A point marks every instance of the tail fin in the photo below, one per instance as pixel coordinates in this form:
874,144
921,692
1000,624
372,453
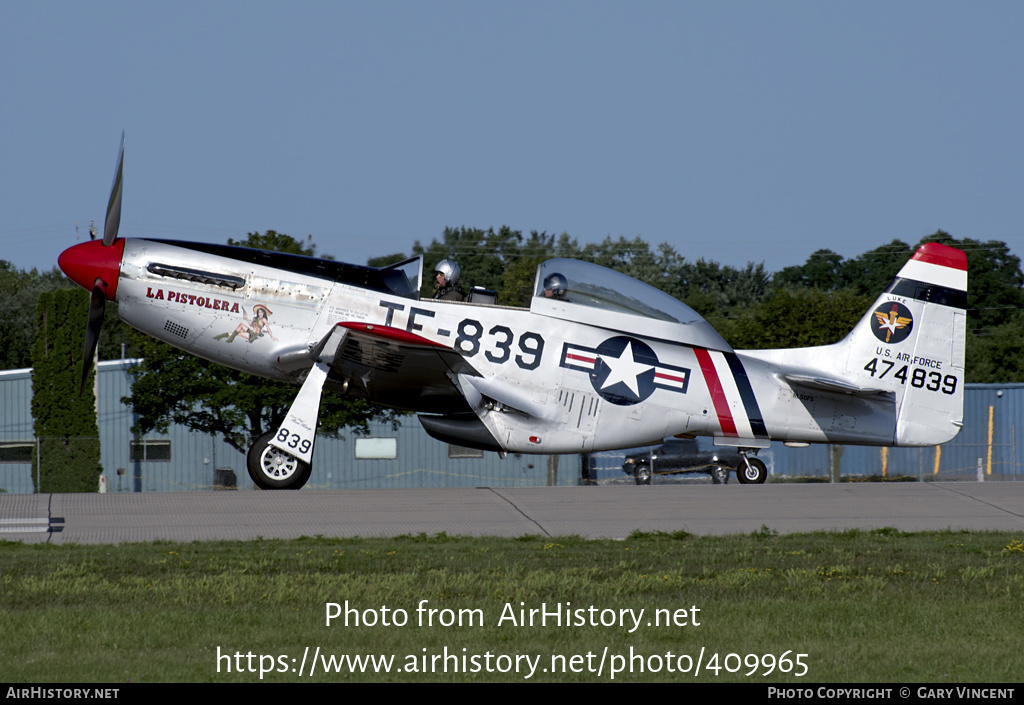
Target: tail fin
911,343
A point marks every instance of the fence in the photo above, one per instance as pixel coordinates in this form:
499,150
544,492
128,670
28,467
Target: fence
960,459
54,464
186,461
986,448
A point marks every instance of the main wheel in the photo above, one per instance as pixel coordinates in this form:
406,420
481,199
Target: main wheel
643,474
755,474
719,475
273,469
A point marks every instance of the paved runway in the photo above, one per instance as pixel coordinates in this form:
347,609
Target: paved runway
598,512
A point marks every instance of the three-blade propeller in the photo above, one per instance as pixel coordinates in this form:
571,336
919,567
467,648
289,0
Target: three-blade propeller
98,298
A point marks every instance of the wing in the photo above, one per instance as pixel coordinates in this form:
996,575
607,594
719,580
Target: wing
396,368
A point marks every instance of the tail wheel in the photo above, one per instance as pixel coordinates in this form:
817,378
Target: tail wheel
643,474
273,469
719,475
752,472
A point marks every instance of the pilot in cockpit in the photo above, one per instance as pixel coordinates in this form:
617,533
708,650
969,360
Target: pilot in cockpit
447,271
556,286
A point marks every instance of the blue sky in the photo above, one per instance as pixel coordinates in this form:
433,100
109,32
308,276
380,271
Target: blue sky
735,131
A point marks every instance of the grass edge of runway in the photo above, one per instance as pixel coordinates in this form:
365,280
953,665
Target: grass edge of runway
865,606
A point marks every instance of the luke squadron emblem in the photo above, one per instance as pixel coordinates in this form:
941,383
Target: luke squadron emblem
894,322
624,370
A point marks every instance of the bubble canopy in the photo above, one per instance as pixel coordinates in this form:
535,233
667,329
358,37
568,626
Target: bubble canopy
596,295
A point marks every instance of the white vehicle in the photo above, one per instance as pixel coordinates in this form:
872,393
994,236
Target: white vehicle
599,361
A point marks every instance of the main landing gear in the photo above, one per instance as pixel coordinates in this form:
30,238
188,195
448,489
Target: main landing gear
272,469
283,458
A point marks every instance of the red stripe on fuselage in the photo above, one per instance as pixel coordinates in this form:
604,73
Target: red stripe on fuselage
707,368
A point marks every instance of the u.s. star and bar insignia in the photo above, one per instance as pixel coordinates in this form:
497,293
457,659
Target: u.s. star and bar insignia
624,370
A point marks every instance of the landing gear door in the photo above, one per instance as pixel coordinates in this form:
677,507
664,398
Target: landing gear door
297,434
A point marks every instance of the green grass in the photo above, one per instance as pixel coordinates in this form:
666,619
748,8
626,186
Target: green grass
864,606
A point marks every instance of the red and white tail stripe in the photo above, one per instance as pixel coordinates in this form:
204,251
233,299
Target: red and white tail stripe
937,264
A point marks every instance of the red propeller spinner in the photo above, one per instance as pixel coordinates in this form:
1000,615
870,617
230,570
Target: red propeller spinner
89,263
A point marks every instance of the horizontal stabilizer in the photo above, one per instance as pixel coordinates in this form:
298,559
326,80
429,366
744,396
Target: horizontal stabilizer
834,385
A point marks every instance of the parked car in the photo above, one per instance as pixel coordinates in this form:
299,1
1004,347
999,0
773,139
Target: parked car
683,455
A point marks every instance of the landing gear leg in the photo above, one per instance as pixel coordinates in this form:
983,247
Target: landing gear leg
283,458
751,471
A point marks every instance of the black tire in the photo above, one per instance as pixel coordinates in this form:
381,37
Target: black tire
756,474
719,475
643,474
272,469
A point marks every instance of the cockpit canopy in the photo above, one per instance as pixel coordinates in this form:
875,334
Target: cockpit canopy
589,293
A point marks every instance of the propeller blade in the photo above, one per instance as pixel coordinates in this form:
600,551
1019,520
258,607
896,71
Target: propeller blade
113,221
97,302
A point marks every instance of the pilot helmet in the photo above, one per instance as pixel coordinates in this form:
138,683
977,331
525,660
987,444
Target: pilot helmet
450,270
556,284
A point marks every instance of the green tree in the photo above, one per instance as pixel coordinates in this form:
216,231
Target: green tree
19,295
483,255
998,356
709,288
994,281
506,260
518,279
714,290
274,241
503,260
68,457
631,257
995,299
173,387
517,284
994,290
867,274
794,318
822,270
871,272
385,260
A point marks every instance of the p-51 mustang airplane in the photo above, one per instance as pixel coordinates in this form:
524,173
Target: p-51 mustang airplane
598,361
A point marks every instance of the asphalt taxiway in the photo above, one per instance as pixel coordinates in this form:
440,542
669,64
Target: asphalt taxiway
597,512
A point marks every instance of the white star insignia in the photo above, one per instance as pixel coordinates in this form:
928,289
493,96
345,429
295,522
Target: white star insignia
624,369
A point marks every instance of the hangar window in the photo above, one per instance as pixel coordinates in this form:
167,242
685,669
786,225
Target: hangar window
150,451
377,448
16,452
